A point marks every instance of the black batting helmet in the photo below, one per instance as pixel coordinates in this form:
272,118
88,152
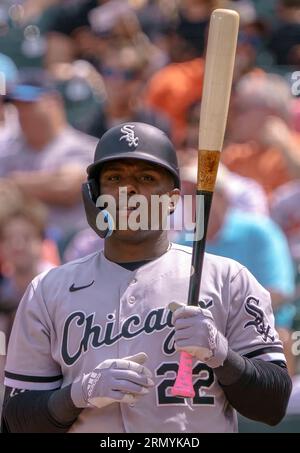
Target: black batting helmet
127,141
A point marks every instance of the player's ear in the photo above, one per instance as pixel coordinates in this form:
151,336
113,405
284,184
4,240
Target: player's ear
174,196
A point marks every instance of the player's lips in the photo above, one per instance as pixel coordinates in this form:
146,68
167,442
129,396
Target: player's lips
125,212
126,209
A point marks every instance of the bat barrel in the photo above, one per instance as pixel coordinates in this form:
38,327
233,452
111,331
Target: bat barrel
219,64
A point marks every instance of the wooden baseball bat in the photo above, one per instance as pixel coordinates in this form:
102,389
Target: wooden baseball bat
219,64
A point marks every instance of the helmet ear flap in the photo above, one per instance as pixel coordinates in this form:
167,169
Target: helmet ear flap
90,193
94,189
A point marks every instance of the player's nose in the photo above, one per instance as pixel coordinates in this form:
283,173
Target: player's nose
125,193
131,186
132,189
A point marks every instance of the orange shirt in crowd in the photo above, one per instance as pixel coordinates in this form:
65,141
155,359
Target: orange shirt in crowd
50,252
173,90
267,166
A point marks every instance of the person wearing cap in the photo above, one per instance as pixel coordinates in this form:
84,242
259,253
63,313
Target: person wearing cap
84,95
47,161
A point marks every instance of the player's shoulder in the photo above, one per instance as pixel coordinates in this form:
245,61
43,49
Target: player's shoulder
222,266
66,271
215,263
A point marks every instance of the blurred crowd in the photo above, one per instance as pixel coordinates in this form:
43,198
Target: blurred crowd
71,69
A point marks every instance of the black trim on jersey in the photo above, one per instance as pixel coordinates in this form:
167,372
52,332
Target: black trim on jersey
25,378
262,351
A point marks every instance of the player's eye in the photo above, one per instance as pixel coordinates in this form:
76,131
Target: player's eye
113,178
147,178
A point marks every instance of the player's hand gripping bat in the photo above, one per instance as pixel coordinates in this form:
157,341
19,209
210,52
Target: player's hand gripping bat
220,56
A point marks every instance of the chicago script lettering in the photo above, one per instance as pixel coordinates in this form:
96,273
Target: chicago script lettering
88,332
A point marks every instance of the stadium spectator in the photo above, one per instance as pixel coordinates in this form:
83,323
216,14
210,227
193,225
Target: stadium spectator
285,40
124,72
84,95
261,145
48,160
284,209
22,234
172,90
22,257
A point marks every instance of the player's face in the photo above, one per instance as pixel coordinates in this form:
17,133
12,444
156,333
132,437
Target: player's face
135,186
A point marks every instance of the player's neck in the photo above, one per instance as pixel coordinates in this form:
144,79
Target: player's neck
120,251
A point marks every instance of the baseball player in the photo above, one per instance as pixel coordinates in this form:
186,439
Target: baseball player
94,347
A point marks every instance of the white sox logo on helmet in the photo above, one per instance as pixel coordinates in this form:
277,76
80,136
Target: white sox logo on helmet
129,135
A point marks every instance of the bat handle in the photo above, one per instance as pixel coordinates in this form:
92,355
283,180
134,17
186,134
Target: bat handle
184,385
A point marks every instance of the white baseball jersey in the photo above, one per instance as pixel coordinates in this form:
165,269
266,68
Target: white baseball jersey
75,316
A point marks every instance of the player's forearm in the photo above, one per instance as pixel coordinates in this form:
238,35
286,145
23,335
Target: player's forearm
39,411
232,370
257,389
61,406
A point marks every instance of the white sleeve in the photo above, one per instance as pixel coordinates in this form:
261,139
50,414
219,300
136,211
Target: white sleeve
30,364
250,324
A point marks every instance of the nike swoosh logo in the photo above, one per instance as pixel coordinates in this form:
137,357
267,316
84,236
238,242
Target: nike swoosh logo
74,288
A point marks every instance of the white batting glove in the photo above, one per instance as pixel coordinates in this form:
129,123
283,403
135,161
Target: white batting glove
196,333
114,380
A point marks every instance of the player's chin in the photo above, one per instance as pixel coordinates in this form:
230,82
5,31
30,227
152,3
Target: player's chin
131,235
